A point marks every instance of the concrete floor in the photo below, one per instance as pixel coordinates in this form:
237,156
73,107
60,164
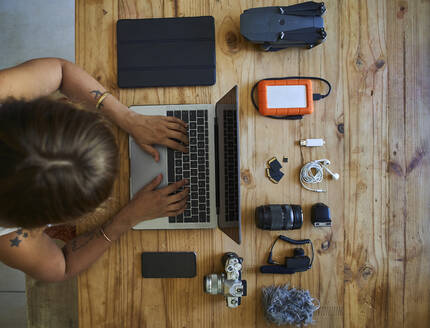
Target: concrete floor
13,308
32,29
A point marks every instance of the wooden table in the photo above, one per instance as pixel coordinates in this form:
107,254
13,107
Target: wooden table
372,268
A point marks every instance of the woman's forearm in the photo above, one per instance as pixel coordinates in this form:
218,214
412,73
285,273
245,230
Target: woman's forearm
82,88
85,249
43,76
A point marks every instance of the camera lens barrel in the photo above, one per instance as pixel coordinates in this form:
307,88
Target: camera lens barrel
298,216
279,217
213,284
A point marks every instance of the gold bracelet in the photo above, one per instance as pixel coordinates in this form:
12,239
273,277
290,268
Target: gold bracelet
102,97
104,235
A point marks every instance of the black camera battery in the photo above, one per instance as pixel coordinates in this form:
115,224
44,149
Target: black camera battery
320,215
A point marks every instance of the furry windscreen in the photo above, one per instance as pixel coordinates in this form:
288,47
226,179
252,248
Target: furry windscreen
288,306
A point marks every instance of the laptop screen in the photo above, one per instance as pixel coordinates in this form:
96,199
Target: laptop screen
228,165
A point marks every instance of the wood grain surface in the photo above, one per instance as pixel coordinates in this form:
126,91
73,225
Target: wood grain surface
372,267
52,305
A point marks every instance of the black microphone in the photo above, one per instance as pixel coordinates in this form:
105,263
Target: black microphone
276,269
298,263
293,241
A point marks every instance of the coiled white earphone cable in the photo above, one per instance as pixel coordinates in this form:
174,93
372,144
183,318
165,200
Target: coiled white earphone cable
308,176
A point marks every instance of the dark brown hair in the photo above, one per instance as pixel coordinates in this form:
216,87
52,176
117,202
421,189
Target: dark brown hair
57,162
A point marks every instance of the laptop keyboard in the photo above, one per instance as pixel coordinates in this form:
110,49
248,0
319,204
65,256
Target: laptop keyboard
193,166
230,164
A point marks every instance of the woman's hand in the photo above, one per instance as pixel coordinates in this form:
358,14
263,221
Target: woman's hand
157,130
150,203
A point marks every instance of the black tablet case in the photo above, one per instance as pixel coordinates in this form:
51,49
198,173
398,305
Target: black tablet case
161,52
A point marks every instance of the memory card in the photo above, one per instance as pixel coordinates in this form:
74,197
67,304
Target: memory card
270,178
274,164
276,174
273,175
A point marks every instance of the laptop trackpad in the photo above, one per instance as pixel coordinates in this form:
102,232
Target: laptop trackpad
143,167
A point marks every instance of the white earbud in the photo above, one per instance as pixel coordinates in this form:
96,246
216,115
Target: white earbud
335,176
313,172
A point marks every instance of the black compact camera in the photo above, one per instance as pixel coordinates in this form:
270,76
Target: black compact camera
279,217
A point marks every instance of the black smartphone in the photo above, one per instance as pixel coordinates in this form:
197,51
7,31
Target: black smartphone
168,264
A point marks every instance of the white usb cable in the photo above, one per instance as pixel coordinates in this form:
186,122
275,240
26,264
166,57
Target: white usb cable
308,176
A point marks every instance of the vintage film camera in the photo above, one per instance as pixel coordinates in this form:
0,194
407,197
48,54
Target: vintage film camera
230,283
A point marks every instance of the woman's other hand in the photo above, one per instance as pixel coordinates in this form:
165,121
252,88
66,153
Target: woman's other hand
150,202
157,130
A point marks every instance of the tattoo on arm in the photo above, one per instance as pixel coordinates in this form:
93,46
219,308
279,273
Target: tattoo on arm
97,94
83,240
20,232
16,241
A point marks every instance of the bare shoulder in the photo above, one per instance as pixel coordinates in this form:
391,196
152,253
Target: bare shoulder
20,244
33,252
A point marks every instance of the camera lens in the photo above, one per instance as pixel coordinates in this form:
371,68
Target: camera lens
298,216
214,283
279,217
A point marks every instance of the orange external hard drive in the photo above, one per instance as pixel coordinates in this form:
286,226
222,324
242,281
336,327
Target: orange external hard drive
287,97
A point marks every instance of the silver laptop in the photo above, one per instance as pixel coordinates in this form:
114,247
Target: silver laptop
211,166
